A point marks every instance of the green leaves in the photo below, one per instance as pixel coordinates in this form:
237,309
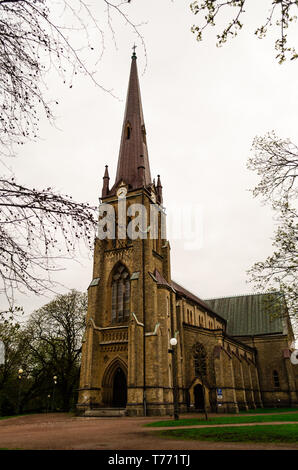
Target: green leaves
280,13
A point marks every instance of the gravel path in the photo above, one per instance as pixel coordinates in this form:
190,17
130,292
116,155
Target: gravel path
62,431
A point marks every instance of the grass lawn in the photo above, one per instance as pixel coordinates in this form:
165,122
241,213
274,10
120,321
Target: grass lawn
18,416
272,433
7,417
269,410
226,420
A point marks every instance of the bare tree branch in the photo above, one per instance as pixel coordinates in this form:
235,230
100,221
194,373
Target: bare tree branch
36,228
276,162
280,13
32,42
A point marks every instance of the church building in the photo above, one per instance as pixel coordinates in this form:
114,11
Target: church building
231,354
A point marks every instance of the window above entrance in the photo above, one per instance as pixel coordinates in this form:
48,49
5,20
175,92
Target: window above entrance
120,294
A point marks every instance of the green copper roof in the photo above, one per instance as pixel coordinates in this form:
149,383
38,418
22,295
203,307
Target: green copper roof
254,314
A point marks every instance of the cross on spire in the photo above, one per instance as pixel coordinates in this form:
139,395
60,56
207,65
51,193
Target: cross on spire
134,51
133,162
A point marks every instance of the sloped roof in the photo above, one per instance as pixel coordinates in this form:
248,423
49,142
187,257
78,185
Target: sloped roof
206,306
253,314
160,279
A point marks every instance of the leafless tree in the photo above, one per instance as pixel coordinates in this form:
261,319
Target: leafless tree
35,37
37,226
276,162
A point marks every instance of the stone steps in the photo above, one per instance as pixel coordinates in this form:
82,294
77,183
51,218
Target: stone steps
106,412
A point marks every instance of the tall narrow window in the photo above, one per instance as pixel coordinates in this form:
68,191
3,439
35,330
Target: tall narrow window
276,379
120,295
120,298
114,302
126,295
128,131
200,360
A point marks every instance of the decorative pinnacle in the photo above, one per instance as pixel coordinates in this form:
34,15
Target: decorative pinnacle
106,174
134,56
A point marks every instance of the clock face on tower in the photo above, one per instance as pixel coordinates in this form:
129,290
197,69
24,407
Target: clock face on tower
122,192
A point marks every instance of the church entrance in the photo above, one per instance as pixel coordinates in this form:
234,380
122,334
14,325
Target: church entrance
119,389
199,397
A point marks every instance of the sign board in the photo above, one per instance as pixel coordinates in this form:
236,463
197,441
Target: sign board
219,393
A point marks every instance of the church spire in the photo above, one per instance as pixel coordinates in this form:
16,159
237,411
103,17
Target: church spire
133,163
159,190
105,186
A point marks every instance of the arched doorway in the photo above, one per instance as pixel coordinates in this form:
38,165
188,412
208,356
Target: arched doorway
199,397
119,389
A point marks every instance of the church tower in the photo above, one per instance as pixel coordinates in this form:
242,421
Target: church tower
222,361
131,302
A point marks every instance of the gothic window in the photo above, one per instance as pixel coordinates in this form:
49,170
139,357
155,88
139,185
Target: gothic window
129,220
276,379
128,131
158,241
120,295
155,244
200,363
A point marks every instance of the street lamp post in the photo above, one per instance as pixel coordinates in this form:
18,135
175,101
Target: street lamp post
20,372
173,343
53,398
48,403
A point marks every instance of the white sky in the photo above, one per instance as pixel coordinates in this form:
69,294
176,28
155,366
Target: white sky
203,106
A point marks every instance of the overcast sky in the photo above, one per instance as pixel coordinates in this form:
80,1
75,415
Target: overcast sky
203,106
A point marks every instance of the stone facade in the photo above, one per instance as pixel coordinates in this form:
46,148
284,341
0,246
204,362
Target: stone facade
134,308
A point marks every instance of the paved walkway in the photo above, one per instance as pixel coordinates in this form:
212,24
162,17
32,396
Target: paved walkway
62,431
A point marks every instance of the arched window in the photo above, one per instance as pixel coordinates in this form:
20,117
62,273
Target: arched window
276,379
200,363
120,294
128,130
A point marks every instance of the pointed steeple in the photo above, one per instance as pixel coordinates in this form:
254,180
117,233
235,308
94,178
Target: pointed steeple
105,186
159,190
133,163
